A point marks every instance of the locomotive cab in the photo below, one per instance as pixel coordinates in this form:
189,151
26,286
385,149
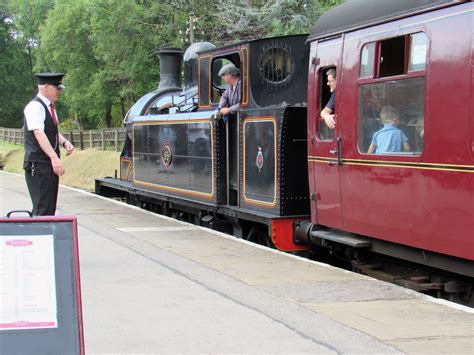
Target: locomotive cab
265,142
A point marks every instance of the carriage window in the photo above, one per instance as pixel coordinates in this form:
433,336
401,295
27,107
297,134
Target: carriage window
392,57
391,117
324,132
367,61
276,65
418,46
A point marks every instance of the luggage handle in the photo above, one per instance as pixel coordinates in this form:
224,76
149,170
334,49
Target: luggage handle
19,211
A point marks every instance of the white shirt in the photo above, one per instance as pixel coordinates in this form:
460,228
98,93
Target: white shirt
35,115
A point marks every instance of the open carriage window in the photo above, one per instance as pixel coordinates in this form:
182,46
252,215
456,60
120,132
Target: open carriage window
324,132
394,56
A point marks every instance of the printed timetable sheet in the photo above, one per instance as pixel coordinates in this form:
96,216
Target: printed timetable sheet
27,282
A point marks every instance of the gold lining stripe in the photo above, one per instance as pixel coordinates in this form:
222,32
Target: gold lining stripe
177,189
398,164
162,122
245,83
247,199
199,82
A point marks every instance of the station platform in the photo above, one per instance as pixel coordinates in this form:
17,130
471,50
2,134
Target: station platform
151,284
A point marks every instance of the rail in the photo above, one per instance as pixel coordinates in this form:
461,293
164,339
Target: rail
103,139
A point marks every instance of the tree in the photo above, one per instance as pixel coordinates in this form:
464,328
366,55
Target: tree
66,46
285,17
17,84
28,16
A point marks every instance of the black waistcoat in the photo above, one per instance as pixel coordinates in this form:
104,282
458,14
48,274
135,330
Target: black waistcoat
33,151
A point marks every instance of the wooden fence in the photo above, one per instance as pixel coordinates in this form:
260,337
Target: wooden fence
104,139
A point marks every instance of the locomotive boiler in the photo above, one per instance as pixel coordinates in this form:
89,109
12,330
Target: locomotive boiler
277,175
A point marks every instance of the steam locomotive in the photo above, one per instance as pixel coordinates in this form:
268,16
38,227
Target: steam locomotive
277,175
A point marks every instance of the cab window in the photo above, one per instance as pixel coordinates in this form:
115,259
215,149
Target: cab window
218,85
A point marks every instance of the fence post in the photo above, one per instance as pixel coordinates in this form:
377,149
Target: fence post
91,142
116,140
102,132
81,143
71,136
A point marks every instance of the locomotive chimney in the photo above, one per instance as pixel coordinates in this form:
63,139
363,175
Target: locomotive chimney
170,68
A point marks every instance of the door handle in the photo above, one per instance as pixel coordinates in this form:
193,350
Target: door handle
337,151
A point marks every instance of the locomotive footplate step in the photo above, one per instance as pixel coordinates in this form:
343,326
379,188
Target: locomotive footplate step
341,238
152,284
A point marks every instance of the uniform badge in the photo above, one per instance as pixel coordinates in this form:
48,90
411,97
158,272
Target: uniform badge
259,160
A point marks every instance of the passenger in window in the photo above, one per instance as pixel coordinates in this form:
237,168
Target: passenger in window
327,114
420,130
390,139
230,99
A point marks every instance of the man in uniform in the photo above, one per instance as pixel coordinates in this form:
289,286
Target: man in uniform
42,163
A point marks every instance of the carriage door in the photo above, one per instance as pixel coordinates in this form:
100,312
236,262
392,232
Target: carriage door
325,155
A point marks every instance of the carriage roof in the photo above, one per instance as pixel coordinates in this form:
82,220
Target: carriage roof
356,14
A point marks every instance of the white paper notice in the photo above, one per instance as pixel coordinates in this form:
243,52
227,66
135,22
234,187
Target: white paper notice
418,54
27,282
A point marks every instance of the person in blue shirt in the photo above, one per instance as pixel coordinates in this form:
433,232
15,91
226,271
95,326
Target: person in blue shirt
390,139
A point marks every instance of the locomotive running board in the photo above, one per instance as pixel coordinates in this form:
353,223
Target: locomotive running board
333,236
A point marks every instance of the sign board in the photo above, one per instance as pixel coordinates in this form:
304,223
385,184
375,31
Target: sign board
40,294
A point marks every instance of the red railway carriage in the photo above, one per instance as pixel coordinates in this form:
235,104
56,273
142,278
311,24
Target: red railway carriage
415,57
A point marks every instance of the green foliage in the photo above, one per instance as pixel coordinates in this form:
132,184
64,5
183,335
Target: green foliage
66,46
285,17
108,48
17,86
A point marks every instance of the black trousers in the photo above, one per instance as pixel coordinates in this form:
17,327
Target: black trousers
43,186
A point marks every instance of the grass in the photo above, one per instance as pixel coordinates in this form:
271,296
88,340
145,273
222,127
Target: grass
82,167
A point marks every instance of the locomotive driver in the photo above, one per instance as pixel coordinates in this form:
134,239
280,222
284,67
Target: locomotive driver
42,162
230,99
327,114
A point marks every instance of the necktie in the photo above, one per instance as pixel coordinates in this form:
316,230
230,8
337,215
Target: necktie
53,114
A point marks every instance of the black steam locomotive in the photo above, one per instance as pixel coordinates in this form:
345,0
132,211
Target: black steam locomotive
247,177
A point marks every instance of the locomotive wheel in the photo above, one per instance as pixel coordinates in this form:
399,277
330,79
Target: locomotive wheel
259,235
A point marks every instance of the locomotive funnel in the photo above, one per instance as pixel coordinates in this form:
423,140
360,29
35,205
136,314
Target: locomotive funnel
170,68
